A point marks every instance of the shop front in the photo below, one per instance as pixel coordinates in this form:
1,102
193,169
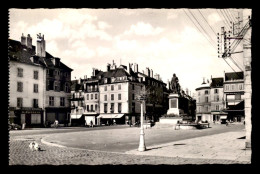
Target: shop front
31,117
60,114
109,119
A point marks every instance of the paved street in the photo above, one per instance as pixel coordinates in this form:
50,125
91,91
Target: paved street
118,146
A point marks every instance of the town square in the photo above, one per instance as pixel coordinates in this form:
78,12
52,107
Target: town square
129,86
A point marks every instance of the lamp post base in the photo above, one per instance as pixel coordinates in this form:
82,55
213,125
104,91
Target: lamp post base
141,147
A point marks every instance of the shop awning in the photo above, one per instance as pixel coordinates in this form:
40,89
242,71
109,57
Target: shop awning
74,116
223,117
110,116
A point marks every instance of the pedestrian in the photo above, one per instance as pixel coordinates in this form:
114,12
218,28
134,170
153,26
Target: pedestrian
91,123
107,123
56,123
226,123
114,122
130,123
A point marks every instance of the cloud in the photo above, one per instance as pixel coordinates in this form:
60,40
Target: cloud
172,15
103,25
213,18
144,29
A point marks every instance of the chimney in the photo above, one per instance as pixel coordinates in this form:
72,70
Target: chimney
113,66
96,72
79,80
136,68
156,76
93,72
147,72
40,46
29,41
23,40
85,77
129,68
108,67
151,73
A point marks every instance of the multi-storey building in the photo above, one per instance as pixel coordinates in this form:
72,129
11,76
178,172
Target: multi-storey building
203,105
26,85
234,96
42,81
217,100
112,95
157,93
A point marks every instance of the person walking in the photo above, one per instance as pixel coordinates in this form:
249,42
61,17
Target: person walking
91,123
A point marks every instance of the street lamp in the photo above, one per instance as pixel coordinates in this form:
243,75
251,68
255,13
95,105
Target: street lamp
142,147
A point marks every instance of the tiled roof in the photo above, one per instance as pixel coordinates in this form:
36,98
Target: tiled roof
217,82
20,53
234,76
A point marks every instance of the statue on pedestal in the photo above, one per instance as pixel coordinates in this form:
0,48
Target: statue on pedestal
174,84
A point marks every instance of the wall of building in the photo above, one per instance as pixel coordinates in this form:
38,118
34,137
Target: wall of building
28,82
124,97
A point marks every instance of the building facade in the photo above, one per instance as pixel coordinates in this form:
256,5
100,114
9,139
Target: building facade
113,95
203,105
39,84
234,96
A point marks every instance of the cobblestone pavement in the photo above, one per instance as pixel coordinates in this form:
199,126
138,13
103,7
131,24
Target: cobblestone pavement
20,154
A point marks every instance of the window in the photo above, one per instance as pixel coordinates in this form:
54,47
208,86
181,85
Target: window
56,87
119,107
119,96
35,103
227,87
105,88
112,108
105,80
133,96
62,101
198,93
216,91
35,75
49,85
206,92
19,102
96,107
51,101
216,98
105,107
133,87
87,107
19,72
105,97
112,87
91,108
217,107
91,96
133,107
67,87
119,87
87,96
20,86
240,86
112,96
206,99
35,88
95,96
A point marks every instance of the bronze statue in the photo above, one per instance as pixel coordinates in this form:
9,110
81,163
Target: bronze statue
174,85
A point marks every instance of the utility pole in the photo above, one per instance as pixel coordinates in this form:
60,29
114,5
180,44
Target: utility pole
247,77
240,33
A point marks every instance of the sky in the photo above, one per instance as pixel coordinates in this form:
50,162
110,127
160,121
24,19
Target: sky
167,41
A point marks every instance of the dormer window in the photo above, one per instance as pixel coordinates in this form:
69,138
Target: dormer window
105,80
